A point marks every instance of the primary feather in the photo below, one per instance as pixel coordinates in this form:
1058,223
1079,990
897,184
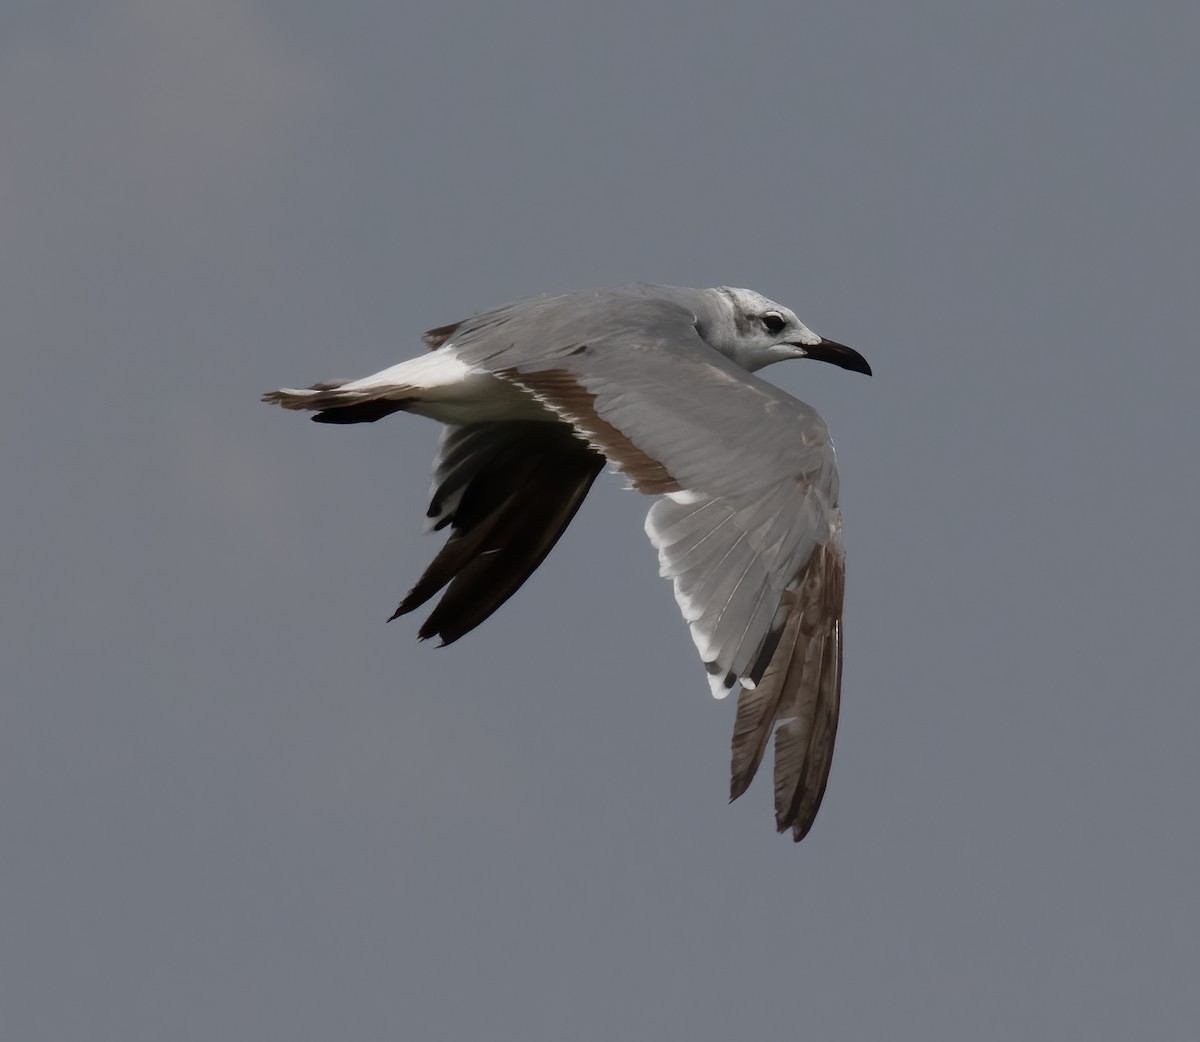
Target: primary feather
659,382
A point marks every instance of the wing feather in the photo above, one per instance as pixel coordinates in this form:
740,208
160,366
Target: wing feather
748,530
508,490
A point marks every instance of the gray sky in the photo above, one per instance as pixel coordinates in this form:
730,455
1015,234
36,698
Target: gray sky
235,805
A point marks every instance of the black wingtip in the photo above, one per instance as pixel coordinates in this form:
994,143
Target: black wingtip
738,785
405,606
798,832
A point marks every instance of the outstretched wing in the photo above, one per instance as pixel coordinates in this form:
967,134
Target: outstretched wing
766,618
749,530
507,490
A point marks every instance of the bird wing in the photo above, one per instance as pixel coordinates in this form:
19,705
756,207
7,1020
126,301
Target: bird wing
507,490
748,530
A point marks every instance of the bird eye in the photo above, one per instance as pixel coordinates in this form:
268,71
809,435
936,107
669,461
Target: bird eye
774,323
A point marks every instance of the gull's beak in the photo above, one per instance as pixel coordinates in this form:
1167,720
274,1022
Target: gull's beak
838,354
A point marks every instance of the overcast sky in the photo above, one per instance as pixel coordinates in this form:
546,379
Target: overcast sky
235,805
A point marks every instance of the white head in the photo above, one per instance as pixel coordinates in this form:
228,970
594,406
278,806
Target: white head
754,332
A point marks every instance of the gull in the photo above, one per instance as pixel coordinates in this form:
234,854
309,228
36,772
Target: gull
658,382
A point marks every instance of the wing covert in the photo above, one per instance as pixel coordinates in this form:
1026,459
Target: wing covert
748,530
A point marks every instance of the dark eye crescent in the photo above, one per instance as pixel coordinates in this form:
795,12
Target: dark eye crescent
774,323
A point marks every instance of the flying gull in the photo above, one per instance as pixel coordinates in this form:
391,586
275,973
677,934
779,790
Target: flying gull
657,381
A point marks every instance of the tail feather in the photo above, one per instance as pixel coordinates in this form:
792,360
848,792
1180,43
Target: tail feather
341,402
364,412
